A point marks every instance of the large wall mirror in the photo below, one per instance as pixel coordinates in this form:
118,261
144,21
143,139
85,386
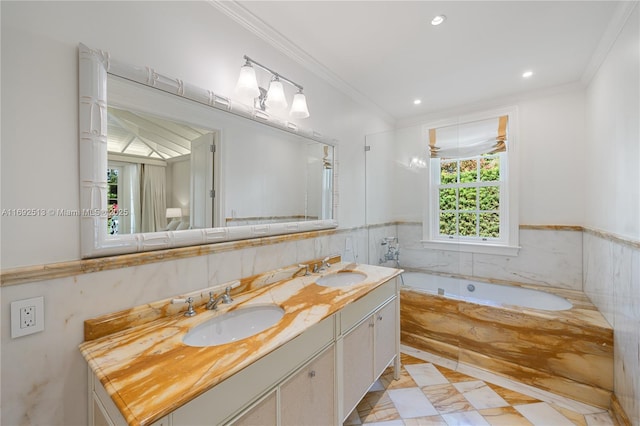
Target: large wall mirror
165,164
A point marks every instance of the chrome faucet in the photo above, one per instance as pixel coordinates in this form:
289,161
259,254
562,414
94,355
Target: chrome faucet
324,265
225,297
304,268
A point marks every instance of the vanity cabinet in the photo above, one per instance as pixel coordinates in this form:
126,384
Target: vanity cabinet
371,345
316,378
308,398
265,412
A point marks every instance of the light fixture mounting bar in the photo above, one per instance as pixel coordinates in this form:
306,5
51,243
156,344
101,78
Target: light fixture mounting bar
280,76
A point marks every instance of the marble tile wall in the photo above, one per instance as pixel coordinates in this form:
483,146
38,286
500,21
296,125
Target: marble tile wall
612,282
548,257
44,377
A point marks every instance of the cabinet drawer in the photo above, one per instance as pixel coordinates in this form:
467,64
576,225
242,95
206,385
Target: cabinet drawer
353,313
255,379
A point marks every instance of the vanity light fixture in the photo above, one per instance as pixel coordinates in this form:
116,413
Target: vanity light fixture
247,84
438,19
274,98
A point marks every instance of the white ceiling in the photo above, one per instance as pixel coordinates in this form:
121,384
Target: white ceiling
387,53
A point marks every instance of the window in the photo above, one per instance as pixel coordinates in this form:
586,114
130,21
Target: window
471,196
113,174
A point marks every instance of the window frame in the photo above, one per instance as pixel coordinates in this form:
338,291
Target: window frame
507,243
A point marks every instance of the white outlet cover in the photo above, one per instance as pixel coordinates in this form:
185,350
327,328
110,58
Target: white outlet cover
38,303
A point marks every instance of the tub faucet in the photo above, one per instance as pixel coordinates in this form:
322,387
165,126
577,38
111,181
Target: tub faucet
225,297
393,251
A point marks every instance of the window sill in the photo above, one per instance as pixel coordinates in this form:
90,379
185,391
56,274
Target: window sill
468,247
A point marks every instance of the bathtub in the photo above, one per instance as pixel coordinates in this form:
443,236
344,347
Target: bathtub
485,293
551,338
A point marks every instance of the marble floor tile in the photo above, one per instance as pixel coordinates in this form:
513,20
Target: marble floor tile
429,357
406,359
447,399
426,375
425,421
411,402
388,423
465,418
480,395
543,414
469,396
454,376
599,419
504,416
576,418
512,397
353,419
377,406
541,394
405,380
376,386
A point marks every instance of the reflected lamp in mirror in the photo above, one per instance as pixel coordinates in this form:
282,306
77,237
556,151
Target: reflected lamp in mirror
174,212
274,98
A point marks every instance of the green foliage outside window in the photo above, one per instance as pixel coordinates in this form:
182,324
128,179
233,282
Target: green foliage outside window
470,210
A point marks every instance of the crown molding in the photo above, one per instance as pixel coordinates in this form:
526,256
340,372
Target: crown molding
616,24
258,27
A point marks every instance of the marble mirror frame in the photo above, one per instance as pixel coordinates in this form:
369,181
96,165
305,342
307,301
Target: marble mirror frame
94,66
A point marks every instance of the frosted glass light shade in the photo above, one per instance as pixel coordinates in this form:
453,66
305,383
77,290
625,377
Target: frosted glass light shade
275,96
299,106
247,84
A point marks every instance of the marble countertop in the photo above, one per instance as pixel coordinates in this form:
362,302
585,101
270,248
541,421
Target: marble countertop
149,372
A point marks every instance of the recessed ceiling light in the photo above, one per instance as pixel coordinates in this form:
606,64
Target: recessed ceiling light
527,74
437,20
417,101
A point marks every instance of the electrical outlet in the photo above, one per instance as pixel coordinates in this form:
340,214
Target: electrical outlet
27,316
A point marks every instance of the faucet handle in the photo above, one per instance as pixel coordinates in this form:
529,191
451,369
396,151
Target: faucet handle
227,295
190,311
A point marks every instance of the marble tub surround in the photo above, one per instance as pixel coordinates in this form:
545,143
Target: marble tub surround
112,323
149,372
567,352
550,256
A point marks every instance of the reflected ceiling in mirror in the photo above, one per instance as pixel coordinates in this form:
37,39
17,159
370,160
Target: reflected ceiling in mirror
230,172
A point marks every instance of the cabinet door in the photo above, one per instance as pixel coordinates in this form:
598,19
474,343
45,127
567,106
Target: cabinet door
386,329
263,413
307,398
357,374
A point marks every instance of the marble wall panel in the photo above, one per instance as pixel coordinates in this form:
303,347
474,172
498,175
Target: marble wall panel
413,255
377,234
612,282
44,377
598,274
547,257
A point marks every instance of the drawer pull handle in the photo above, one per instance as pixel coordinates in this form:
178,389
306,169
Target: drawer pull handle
379,317
312,373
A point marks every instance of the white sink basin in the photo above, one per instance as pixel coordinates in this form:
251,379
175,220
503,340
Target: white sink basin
341,279
235,325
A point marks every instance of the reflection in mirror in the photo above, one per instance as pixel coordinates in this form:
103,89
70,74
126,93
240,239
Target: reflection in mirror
149,179
230,171
160,171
